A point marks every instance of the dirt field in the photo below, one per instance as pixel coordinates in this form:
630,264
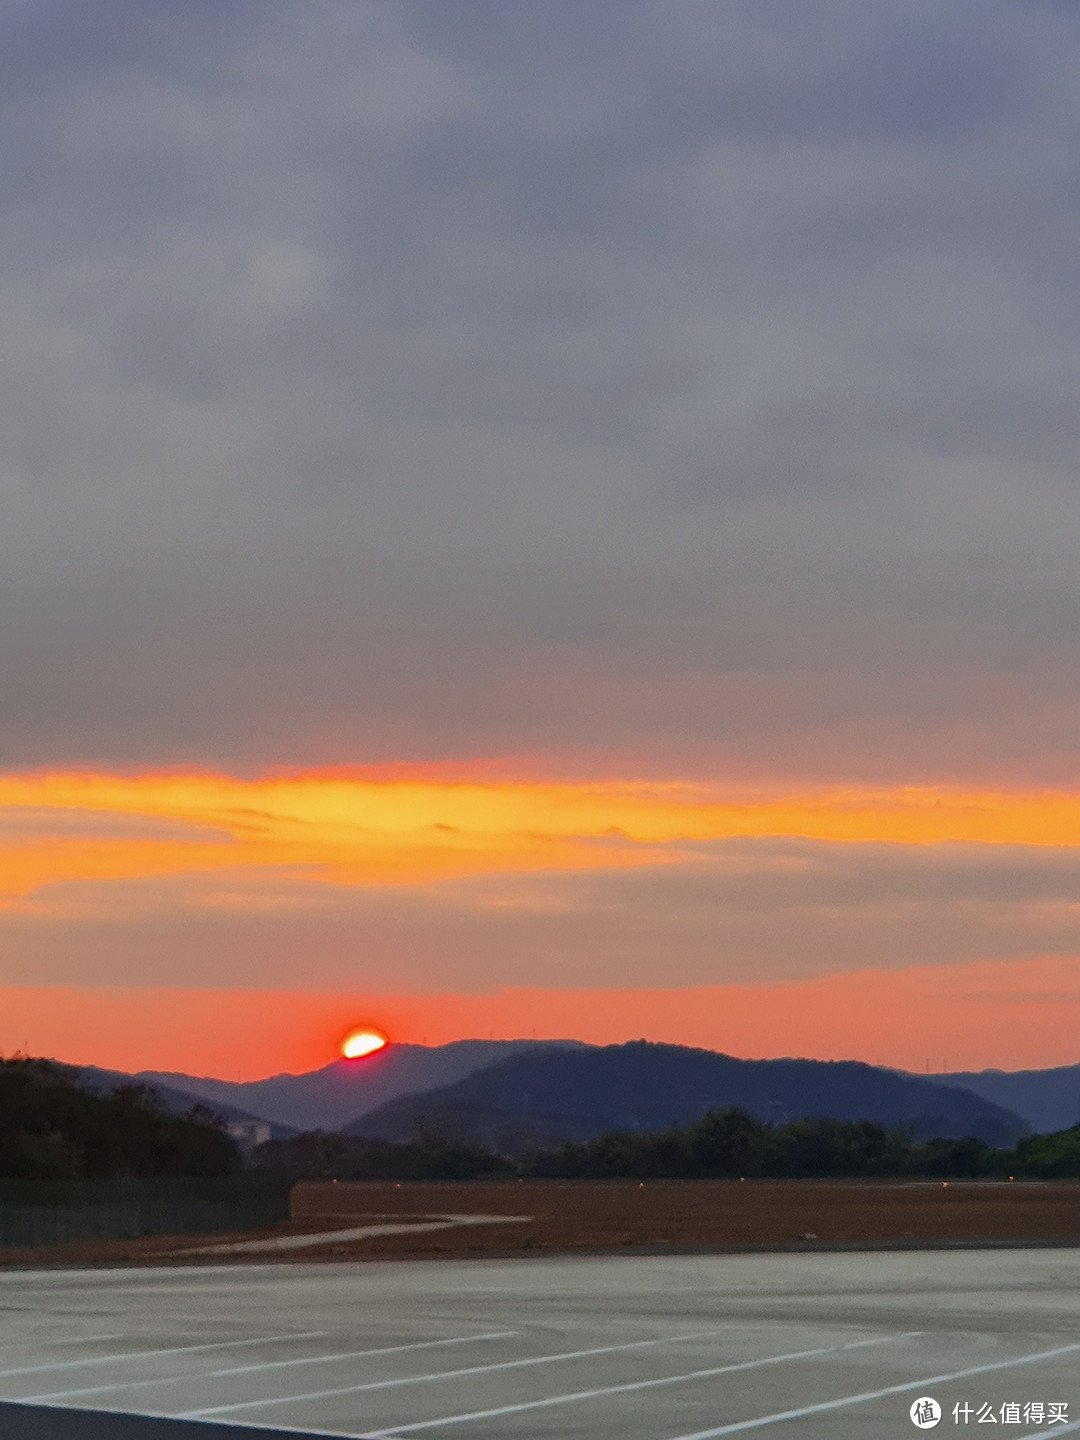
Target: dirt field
619,1215
591,1215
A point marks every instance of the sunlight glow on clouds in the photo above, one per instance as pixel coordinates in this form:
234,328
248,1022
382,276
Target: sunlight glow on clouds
352,830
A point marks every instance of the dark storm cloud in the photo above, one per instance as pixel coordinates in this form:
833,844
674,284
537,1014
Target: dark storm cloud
689,382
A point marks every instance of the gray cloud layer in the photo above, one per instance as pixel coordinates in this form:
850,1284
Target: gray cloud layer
688,385
740,912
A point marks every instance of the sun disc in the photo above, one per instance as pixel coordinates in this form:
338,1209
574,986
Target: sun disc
364,1041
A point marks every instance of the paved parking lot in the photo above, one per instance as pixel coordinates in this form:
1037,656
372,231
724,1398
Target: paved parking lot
819,1347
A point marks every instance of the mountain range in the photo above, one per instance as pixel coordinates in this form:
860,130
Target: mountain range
406,1089
177,1101
1048,1100
328,1099
539,1098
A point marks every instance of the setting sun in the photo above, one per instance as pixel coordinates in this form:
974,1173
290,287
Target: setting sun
364,1041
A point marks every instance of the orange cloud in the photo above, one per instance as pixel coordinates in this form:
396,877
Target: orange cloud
356,830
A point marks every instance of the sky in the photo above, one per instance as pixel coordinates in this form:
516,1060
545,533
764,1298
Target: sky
556,518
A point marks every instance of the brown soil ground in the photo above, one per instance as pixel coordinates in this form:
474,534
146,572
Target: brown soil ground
584,1215
710,1214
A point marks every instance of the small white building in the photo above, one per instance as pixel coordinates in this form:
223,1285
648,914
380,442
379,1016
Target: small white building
248,1133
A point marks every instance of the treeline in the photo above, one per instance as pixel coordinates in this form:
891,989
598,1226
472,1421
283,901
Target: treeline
727,1144
318,1155
724,1144
54,1128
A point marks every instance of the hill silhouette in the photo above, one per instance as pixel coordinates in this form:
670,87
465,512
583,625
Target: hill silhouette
54,1127
544,1097
329,1098
335,1095
175,1101
1049,1100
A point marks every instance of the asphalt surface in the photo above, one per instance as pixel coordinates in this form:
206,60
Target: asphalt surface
817,1346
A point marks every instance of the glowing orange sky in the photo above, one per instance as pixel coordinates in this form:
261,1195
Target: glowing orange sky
349,830
356,831
1026,1014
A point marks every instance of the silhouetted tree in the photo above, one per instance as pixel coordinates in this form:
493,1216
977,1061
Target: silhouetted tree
52,1127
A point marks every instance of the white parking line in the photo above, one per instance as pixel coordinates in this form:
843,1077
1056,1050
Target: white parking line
452,1374
270,1365
153,1354
847,1400
355,1354
580,1395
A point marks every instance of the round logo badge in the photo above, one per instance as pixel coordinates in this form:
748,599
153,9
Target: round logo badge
925,1413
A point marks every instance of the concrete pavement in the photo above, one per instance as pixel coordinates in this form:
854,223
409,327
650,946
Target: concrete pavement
817,1346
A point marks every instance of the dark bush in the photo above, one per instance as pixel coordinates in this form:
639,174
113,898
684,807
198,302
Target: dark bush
52,1127
731,1143
320,1156
1050,1156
